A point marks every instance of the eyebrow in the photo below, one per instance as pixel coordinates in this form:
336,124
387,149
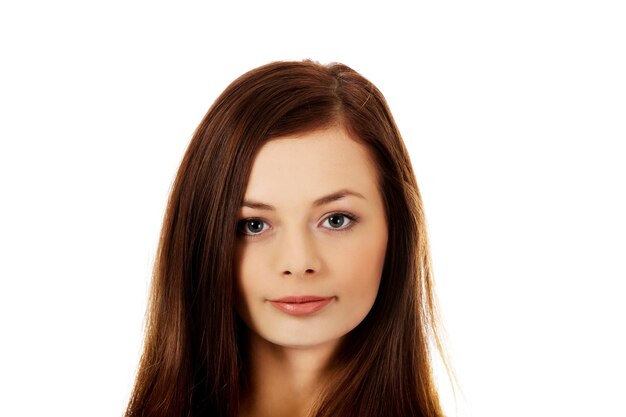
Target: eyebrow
337,195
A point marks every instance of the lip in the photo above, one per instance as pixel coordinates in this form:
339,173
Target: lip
301,305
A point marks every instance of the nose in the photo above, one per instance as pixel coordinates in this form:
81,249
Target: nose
298,255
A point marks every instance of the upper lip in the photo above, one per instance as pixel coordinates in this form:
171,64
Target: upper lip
300,299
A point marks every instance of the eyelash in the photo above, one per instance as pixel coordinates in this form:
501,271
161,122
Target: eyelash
242,223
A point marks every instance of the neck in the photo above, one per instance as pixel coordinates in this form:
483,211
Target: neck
284,381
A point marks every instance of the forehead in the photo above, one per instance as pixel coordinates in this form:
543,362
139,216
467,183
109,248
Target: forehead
306,166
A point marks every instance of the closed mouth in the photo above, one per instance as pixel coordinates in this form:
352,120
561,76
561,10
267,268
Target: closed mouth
301,305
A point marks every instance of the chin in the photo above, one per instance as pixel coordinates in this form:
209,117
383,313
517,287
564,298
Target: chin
297,341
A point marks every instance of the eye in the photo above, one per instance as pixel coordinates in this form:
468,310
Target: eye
340,221
251,227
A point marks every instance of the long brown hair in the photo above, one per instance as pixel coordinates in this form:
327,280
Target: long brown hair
193,362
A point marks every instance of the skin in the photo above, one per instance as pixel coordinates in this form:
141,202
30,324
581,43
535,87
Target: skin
303,248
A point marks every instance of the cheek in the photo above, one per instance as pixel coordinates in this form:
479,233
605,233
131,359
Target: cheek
253,282
244,282
245,266
359,269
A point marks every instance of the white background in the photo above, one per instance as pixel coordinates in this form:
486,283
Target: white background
515,116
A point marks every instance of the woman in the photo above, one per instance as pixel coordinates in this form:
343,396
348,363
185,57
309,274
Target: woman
293,272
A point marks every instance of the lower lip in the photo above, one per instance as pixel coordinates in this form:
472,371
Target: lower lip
302,309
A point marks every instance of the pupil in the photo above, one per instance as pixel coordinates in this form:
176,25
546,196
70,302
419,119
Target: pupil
255,226
336,220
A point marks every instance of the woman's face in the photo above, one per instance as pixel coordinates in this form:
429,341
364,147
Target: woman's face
312,239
